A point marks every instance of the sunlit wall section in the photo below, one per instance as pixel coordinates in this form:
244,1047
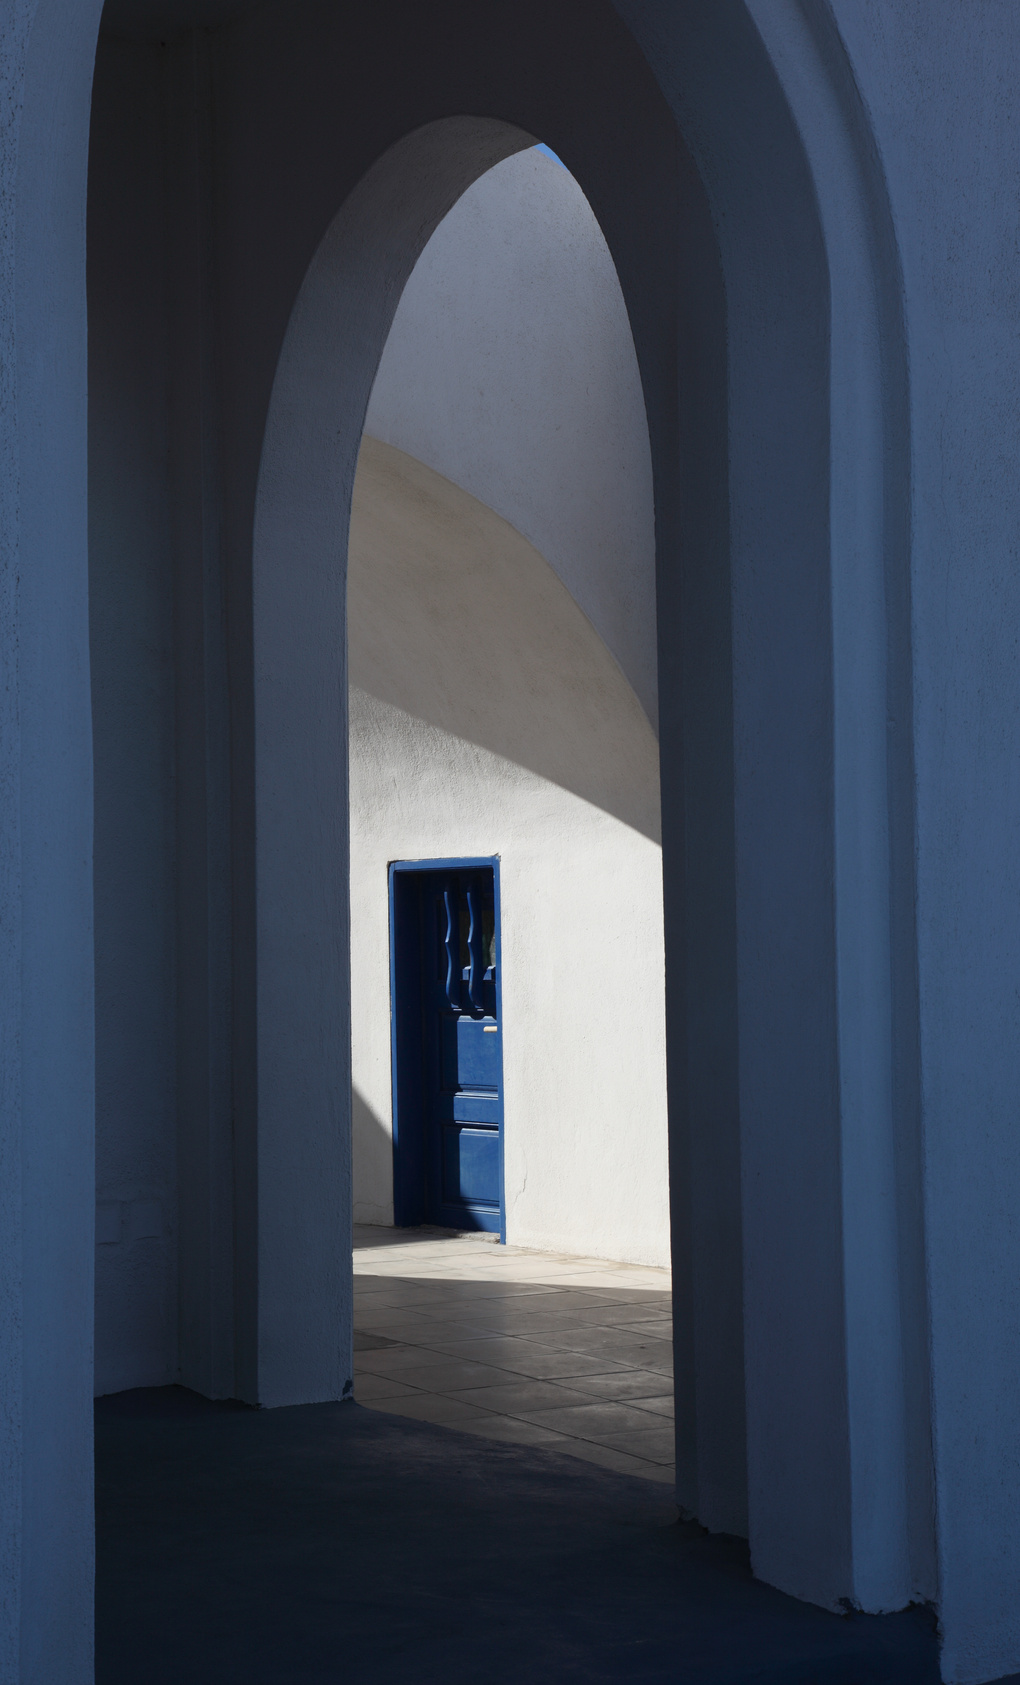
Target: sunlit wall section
503,696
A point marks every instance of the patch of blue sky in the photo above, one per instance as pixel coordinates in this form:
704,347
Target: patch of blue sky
541,147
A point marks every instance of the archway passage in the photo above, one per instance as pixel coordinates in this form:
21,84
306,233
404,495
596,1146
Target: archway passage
506,888
502,681
278,304
306,157
303,1093
268,1328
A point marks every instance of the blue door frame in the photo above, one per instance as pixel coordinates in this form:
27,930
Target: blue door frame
418,1056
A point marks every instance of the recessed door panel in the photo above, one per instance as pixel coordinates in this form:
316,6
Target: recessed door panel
471,1060
470,1165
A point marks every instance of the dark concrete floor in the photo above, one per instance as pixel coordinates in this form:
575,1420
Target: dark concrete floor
330,1543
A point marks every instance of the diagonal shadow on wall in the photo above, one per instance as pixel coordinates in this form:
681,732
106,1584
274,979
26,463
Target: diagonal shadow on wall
457,622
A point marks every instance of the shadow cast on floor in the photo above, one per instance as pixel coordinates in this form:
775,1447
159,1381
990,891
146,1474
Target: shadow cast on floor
524,1347
327,1542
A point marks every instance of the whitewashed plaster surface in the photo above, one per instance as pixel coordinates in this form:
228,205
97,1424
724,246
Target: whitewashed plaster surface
510,368
488,718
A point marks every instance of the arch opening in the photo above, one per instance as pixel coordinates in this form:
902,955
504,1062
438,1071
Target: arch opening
505,454
262,1283
501,625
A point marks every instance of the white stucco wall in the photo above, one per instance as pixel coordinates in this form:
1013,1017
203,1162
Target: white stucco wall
510,368
488,717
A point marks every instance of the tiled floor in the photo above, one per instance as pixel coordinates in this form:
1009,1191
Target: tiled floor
570,1353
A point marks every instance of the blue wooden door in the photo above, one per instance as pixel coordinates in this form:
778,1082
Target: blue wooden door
448,1148
463,1063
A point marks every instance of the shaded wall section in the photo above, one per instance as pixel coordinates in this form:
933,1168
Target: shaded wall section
131,613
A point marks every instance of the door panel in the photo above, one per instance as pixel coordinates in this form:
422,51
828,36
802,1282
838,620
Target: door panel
470,1055
470,1165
